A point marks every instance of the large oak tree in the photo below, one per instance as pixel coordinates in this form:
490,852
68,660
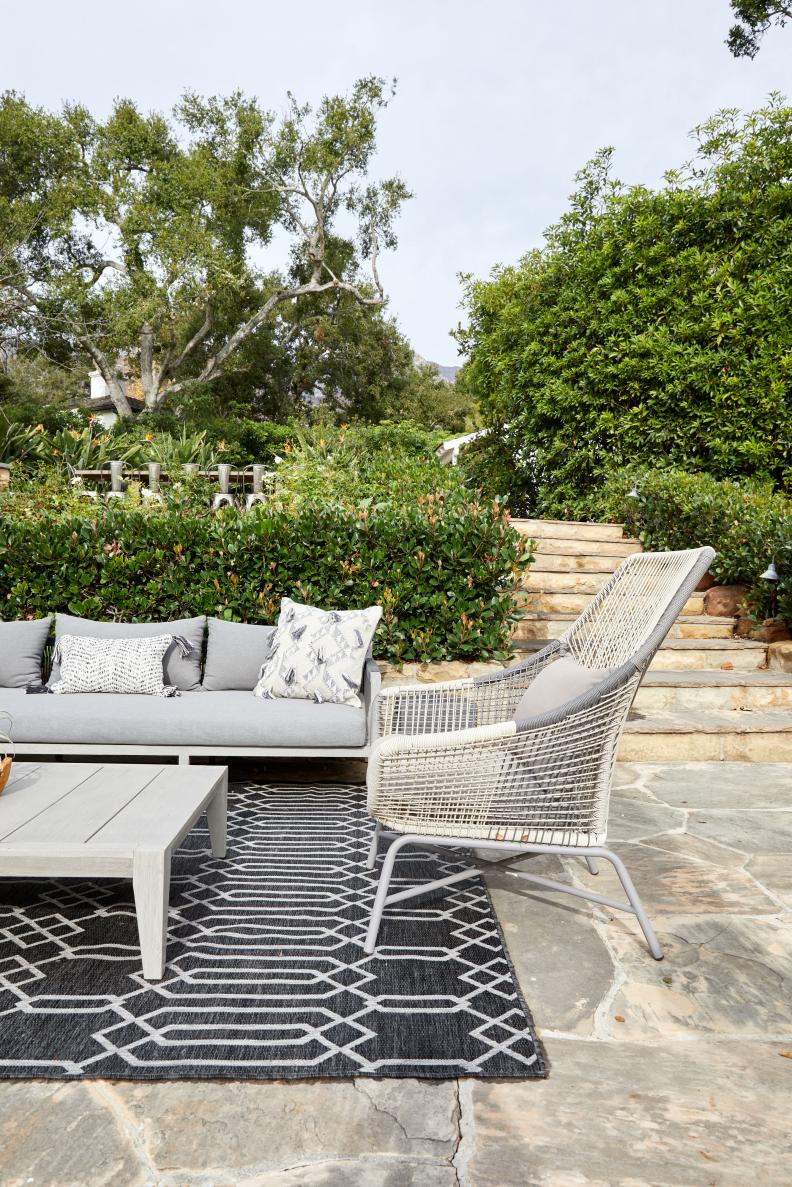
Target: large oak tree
141,241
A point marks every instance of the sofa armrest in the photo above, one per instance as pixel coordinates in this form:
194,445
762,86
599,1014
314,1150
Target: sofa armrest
372,683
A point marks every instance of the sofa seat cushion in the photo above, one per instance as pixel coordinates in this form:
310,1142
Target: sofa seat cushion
199,718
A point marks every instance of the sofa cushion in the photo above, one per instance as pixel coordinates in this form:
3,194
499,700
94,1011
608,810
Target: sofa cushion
318,654
124,666
21,649
235,653
182,671
198,718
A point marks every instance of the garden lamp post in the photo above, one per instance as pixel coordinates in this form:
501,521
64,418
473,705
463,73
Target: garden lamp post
771,574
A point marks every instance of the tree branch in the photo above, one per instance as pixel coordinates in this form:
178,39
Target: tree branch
100,269
147,363
170,364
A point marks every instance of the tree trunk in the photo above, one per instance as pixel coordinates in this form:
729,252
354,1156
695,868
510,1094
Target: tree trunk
147,379
114,388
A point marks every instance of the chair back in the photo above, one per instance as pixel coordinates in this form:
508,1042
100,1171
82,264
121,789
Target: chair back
633,612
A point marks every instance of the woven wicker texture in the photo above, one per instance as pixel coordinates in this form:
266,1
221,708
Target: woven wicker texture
452,761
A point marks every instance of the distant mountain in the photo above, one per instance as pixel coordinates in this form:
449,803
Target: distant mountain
446,373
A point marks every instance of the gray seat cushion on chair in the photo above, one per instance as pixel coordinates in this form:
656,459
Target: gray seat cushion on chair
184,672
21,649
235,653
559,682
198,718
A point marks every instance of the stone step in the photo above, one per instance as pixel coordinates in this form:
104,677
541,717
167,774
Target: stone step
565,529
568,547
695,655
677,691
547,625
689,655
565,580
702,626
708,736
573,563
573,603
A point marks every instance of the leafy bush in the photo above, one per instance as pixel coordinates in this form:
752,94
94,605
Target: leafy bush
163,438
354,466
652,324
173,450
746,522
443,566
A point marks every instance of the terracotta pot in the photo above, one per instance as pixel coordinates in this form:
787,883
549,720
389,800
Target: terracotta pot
5,770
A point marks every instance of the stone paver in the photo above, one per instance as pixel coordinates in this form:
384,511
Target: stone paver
663,1074
549,944
775,873
669,882
724,785
721,975
708,1114
758,831
63,1135
229,1128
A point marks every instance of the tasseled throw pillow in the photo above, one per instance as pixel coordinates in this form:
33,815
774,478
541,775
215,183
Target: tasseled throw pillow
115,665
317,654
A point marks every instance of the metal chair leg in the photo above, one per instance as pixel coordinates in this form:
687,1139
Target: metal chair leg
593,868
371,861
635,902
381,895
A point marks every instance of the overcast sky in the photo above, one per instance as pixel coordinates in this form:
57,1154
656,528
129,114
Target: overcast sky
499,102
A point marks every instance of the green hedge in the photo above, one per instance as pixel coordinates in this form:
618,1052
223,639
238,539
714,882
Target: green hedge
442,566
746,522
651,324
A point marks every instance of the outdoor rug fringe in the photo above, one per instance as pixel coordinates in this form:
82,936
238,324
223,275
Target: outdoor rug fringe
266,977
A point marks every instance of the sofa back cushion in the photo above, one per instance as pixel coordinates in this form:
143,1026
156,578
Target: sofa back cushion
235,654
181,671
21,649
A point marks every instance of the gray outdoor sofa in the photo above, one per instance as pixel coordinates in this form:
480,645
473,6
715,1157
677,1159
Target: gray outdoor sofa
207,719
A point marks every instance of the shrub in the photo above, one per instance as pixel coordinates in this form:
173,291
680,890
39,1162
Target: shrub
443,566
746,522
651,324
354,465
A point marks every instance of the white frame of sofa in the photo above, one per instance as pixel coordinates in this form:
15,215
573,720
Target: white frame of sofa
372,682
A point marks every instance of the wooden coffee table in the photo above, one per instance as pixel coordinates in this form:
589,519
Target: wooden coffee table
63,820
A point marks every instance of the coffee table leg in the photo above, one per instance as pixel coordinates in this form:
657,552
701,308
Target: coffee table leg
151,886
217,816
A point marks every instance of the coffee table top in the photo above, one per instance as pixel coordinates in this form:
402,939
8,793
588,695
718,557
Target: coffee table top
96,806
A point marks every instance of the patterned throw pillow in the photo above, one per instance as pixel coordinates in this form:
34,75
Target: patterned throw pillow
318,655
114,665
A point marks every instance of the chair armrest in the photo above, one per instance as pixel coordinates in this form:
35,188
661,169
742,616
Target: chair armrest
546,778
416,709
370,689
399,757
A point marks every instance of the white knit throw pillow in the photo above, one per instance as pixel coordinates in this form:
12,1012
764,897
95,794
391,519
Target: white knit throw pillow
113,665
317,654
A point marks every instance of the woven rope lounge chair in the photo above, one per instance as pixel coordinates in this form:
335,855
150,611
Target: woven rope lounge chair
452,767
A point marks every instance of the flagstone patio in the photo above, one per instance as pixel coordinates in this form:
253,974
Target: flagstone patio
671,1073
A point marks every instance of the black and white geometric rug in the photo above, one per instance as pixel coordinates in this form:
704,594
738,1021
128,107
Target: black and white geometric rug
266,976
